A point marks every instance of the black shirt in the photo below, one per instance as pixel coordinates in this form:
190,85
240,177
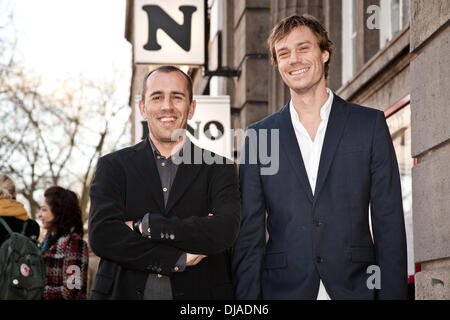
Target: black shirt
158,287
167,171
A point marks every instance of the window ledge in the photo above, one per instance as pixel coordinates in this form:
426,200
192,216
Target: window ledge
376,64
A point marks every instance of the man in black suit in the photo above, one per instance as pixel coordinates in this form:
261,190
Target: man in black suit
161,219
336,160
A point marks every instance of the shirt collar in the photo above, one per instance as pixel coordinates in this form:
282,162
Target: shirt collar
154,149
156,152
324,110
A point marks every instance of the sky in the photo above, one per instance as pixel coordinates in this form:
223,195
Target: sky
62,38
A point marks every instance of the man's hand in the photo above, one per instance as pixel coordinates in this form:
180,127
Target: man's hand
194,259
130,225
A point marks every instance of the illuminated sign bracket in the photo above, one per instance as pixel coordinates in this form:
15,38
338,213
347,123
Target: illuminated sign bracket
220,71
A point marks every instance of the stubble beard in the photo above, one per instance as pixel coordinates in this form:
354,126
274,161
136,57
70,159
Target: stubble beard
309,87
171,137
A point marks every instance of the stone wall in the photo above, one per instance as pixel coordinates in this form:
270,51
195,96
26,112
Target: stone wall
251,29
430,96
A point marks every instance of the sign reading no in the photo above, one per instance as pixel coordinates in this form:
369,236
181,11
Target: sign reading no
169,32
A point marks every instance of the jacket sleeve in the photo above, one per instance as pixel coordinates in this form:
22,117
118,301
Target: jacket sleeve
210,234
248,251
110,237
387,215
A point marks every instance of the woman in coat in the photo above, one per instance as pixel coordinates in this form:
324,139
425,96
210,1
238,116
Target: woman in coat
13,212
65,253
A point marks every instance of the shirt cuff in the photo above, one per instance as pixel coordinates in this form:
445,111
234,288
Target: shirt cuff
146,232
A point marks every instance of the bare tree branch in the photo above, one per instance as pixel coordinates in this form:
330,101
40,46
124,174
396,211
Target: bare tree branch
56,138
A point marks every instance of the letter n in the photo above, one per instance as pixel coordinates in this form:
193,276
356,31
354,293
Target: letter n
159,19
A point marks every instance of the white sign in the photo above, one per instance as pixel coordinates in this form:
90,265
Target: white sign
169,32
209,128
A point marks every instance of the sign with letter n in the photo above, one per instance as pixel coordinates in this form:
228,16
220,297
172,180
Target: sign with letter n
169,32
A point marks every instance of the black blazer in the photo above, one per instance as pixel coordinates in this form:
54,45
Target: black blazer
326,235
127,186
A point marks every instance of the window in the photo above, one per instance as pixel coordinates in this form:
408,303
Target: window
394,16
348,39
399,124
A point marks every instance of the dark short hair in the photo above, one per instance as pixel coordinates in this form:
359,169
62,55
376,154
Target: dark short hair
66,210
168,69
285,26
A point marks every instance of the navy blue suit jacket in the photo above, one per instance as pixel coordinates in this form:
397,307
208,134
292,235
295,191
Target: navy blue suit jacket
325,236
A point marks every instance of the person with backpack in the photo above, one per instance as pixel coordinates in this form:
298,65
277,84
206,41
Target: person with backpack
22,271
13,212
65,253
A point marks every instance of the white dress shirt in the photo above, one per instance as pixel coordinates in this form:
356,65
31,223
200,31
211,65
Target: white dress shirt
311,151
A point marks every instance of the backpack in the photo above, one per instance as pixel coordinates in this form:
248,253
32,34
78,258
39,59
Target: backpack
22,269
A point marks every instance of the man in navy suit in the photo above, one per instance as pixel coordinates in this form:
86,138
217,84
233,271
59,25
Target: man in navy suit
335,161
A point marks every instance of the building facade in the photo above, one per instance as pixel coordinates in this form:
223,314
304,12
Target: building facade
392,55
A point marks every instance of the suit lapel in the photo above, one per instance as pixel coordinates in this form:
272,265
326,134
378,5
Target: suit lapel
289,142
335,128
144,163
186,174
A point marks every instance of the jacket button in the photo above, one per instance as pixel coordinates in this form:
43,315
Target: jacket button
319,259
176,269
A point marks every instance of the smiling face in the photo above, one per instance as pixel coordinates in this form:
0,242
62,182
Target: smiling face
166,105
300,60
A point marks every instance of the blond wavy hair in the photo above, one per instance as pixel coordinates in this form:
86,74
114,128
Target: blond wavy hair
7,187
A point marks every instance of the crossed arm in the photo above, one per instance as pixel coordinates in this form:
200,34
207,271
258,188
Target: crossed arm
111,239
191,258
